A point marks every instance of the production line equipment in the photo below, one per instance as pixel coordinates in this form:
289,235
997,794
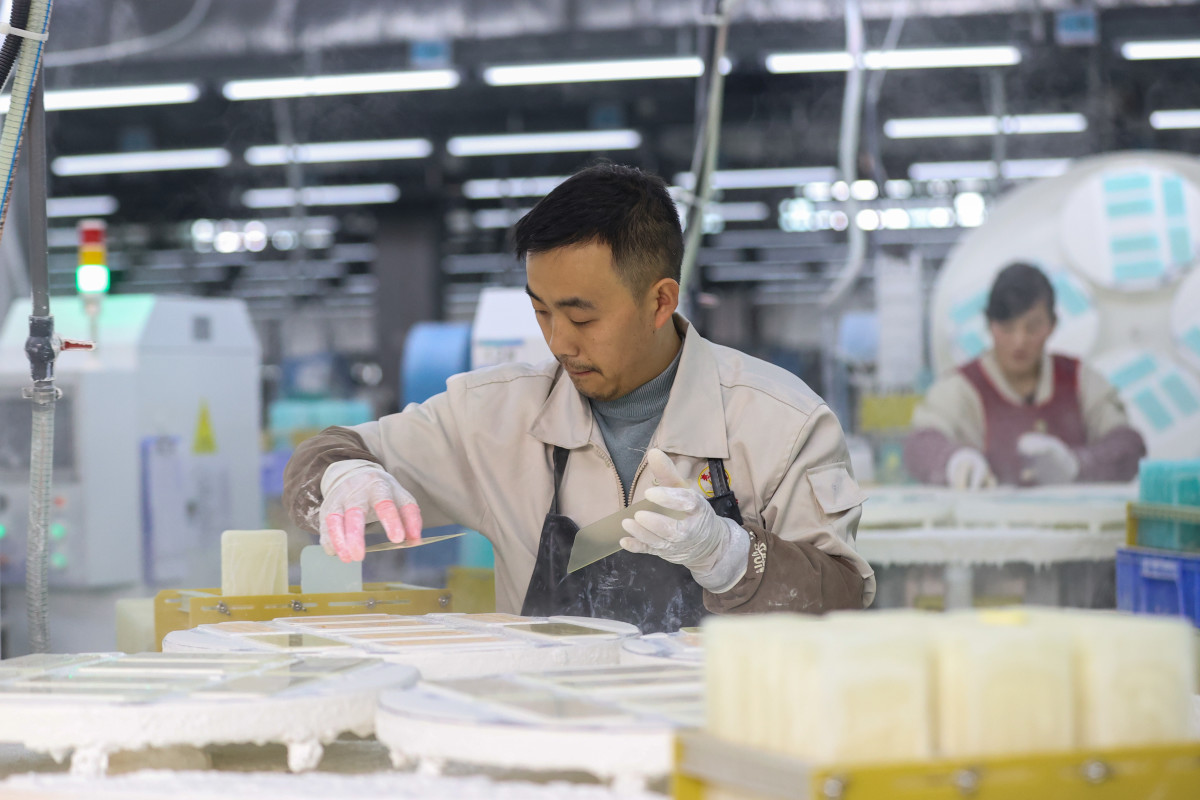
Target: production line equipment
155,445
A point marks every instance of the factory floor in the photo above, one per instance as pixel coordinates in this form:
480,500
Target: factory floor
357,768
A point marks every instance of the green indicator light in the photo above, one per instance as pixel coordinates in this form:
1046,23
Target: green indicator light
58,530
92,278
58,560
3,531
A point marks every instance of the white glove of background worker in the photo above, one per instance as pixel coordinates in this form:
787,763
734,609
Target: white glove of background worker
1047,459
356,492
714,548
968,469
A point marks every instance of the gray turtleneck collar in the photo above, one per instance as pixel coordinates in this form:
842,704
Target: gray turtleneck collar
628,422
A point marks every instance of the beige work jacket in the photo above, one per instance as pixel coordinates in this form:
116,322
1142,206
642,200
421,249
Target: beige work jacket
478,455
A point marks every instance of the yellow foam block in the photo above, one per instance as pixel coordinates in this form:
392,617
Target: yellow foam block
1005,686
253,563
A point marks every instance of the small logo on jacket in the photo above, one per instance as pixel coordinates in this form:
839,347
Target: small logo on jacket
705,481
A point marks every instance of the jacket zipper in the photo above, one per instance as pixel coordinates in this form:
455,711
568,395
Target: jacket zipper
617,475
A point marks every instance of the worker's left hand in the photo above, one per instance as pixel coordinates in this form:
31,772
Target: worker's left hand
1047,459
714,548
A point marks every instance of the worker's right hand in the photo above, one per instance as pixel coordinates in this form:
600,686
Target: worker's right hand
356,492
968,469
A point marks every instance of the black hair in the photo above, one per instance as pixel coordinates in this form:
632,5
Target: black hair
622,207
1018,288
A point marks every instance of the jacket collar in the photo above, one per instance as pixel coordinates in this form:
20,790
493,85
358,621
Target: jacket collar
693,422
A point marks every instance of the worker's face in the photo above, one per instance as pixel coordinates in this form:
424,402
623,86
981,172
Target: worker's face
1018,343
599,331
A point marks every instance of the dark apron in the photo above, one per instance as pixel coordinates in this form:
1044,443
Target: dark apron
639,588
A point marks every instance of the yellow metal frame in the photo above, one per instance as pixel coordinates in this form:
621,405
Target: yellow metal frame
1165,772
1159,511
183,609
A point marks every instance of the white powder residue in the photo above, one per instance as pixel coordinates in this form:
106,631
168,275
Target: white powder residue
157,784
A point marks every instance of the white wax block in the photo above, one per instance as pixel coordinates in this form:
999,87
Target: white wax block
1135,679
135,625
821,691
322,573
1005,685
253,563
862,693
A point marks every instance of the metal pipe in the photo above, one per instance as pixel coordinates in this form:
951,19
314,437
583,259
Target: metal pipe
35,143
41,351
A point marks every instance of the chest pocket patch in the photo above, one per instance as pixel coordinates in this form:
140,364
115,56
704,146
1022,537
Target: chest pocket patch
834,489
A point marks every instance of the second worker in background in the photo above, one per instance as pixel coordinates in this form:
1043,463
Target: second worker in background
1018,414
635,405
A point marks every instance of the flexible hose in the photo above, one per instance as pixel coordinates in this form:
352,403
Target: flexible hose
41,469
41,324
18,18
848,158
28,62
704,158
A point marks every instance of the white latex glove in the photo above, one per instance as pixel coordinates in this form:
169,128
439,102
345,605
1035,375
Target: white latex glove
714,548
1047,459
356,492
968,469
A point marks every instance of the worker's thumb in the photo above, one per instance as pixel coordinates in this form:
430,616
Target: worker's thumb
663,470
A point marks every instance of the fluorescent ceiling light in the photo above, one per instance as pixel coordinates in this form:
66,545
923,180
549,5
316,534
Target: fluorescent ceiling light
147,161
590,71
740,212
497,217
325,85
565,142
761,178
329,152
1176,119
942,57
1153,51
937,127
496,188
833,61
89,206
931,58
1013,169
115,97
348,195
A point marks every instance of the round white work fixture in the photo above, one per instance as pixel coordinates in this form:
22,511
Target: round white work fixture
1161,397
1185,319
1132,228
94,705
617,723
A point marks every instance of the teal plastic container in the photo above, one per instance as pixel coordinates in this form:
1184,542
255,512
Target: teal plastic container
1175,483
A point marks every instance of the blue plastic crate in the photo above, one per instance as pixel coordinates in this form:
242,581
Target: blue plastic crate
1175,483
1158,582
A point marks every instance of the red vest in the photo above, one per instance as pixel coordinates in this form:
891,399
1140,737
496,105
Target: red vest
1004,421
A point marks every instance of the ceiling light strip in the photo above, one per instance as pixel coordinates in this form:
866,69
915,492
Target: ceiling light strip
147,161
923,58
562,142
328,85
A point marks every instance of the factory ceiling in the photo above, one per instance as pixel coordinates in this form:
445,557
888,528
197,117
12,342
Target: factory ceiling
771,120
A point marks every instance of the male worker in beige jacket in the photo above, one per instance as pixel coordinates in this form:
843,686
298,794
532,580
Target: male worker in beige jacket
636,405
